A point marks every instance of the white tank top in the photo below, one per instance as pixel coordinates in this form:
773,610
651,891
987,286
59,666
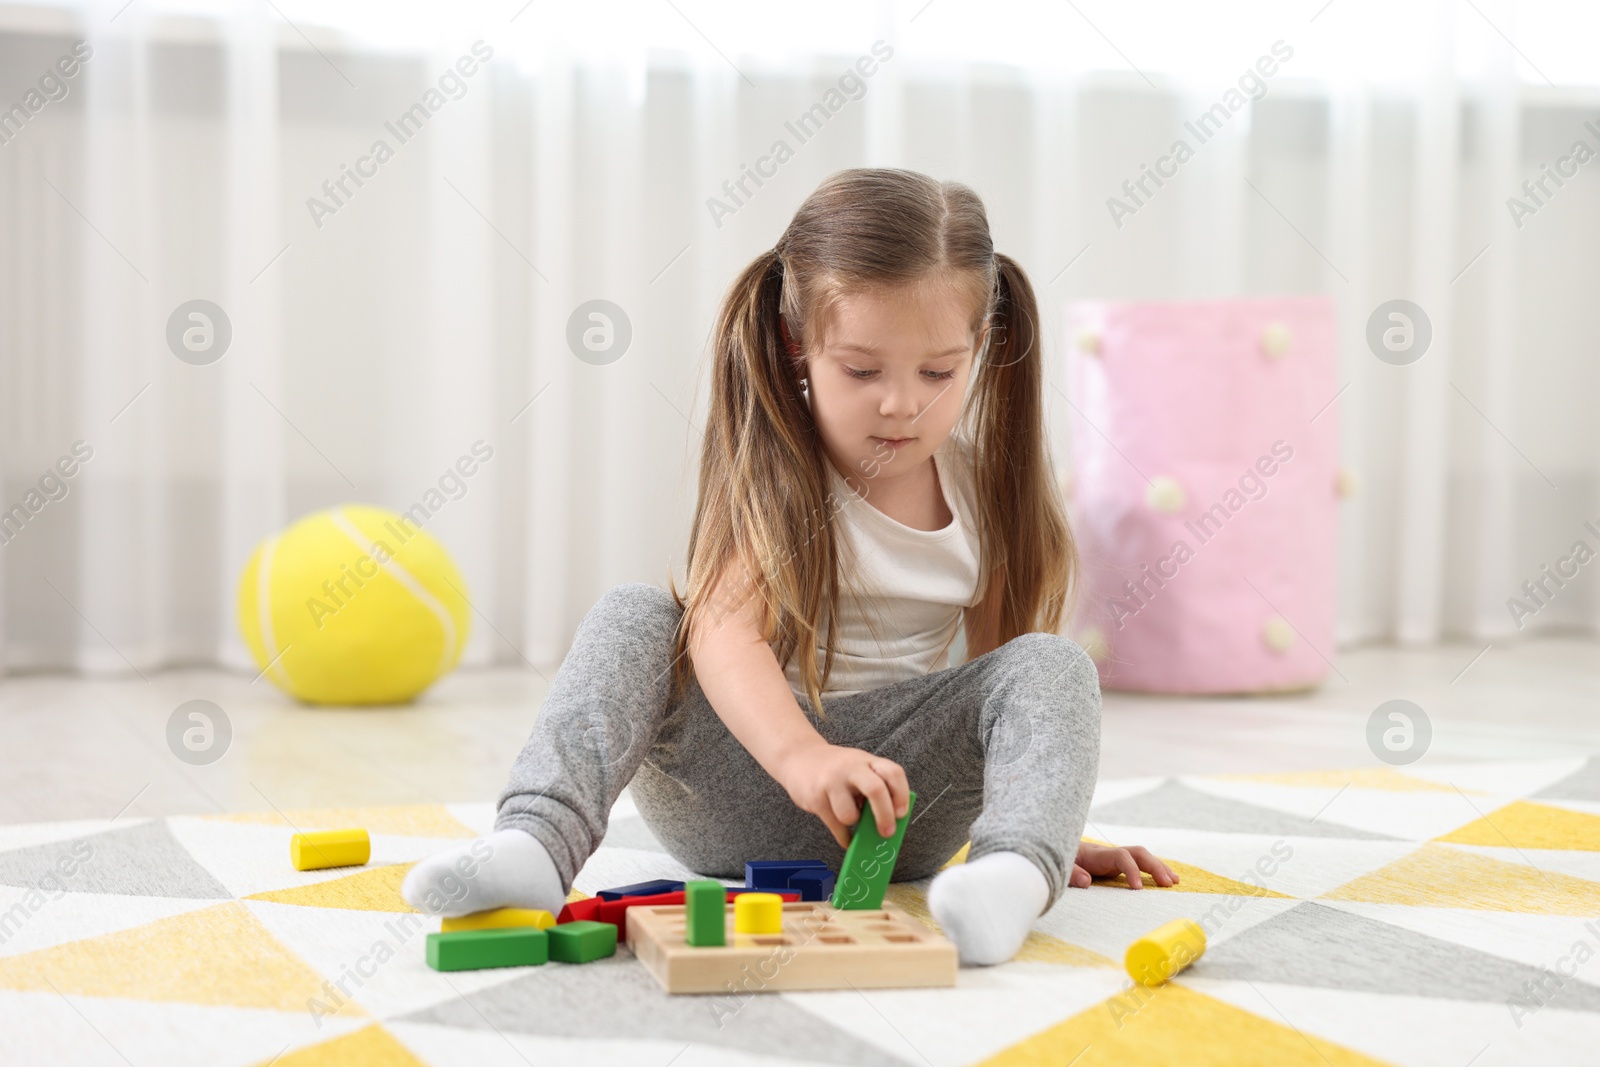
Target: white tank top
911,584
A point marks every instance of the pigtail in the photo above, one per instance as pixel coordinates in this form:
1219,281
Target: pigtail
762,487
1026,539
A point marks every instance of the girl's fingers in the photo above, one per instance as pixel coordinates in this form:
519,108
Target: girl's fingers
1126,861
1149,863
840,834
824,811
876,790
1129,867
895,776
843,805
1163,875
1096,862
1080,878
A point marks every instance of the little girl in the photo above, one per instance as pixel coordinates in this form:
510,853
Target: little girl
874,476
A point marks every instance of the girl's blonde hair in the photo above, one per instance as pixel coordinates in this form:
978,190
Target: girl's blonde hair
763,475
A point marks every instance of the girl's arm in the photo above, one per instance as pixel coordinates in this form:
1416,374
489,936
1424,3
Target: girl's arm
746,687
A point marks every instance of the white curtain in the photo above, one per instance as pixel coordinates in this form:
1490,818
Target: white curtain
376,339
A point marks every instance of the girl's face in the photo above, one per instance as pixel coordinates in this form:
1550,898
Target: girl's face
888,381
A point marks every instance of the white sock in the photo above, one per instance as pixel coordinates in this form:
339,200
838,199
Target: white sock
987,906
507,869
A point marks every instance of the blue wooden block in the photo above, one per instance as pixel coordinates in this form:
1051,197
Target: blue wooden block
812,884
774,875
641,889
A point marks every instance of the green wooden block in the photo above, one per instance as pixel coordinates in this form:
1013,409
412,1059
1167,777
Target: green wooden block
580,942
705,923
472,950
869,861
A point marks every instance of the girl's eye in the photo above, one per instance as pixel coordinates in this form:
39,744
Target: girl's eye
933,375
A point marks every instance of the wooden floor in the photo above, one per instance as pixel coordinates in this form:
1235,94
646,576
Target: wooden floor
76,749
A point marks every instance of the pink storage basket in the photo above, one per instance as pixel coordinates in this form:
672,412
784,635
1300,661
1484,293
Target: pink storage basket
1205,490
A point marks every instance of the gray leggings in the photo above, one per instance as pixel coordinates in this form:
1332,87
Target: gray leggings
1002,750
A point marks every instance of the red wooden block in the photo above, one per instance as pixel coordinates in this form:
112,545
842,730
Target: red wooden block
615,912
587,909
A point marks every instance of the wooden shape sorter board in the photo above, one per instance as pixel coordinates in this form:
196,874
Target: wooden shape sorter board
820,948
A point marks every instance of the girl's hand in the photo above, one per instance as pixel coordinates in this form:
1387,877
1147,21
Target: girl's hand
1100,861
830,781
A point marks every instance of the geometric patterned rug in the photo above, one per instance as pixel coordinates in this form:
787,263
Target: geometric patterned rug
1429,915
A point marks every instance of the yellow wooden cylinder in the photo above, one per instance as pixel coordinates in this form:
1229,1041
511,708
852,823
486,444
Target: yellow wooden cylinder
1165,951
330,848
758,913
499,919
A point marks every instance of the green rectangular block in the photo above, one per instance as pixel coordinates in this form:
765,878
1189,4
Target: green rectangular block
869,861
705,921
472,950
580,942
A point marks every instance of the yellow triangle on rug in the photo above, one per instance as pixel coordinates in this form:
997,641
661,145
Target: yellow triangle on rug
1173,1024
372,889
220,955
1437,876
371,1046
1525,824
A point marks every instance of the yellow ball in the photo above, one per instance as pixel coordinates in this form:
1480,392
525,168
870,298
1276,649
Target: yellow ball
354,605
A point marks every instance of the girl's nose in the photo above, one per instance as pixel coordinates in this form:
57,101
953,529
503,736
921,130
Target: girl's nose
898,404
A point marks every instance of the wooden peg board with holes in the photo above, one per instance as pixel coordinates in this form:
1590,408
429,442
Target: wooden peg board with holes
819,948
